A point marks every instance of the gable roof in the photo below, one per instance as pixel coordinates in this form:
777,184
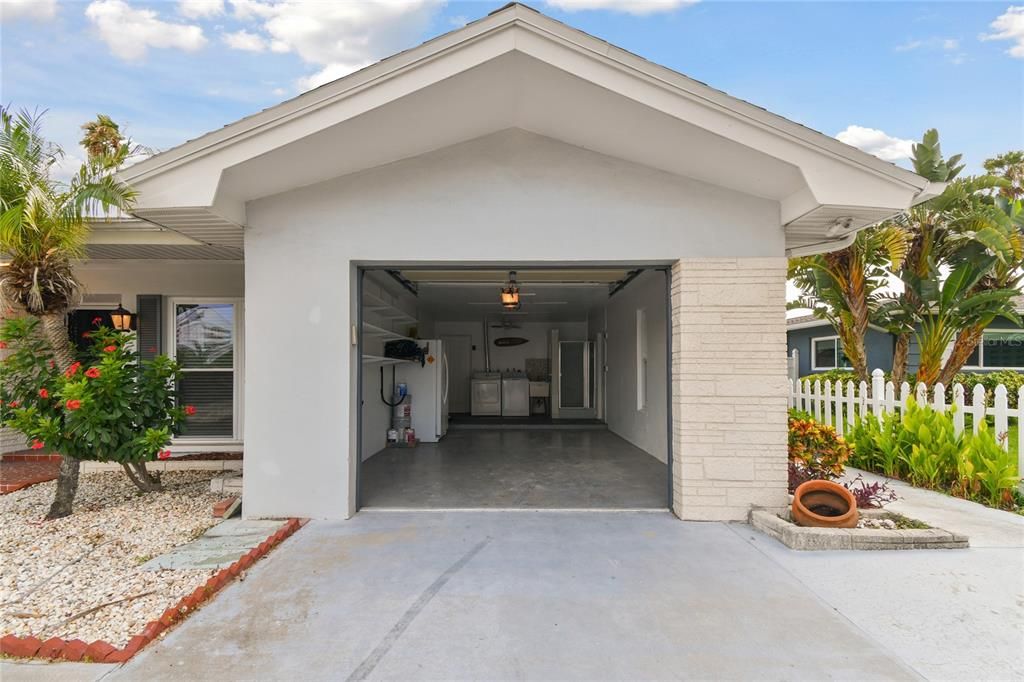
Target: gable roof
840,188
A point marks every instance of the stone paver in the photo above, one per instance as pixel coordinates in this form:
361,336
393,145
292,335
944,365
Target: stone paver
218,547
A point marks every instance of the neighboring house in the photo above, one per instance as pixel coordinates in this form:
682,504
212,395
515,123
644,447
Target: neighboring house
817,347
513,143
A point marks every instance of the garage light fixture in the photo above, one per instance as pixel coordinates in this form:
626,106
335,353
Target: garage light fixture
510,294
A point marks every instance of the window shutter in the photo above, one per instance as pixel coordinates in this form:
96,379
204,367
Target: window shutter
149,325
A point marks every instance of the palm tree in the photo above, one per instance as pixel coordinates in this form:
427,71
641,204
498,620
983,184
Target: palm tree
961,231
844,287
43,229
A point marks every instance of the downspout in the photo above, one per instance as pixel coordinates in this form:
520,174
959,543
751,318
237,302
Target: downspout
487,346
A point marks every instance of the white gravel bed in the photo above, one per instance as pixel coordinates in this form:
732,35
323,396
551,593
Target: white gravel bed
50,571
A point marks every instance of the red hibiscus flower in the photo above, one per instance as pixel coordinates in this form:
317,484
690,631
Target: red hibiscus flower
86,335
110,349
72,369
97,320
189,410
93,372
164,454
13,404
37,445
43,393
73,404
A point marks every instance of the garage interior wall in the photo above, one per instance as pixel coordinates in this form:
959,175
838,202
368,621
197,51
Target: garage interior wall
377,415
644,427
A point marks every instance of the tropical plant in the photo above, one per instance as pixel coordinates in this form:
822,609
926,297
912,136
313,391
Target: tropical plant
110,408
990,471
1009,166
817,448
844,287
923,448
974,238
43,229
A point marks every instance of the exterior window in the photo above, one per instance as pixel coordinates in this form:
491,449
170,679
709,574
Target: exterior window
205,344
825,352
999,349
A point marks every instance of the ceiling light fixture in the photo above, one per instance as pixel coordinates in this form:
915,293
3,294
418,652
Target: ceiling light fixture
510,294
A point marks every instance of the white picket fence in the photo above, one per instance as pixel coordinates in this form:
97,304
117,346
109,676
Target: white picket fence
841,405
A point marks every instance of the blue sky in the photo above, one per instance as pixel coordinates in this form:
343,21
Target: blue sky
172,70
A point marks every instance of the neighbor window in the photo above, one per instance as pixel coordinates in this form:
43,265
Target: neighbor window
999,349
205,344
827,353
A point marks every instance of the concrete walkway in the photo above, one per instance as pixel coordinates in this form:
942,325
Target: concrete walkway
544,595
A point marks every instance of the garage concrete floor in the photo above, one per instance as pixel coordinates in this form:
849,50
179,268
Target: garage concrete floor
542,469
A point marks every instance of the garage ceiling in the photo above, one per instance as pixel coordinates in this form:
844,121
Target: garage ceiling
545,295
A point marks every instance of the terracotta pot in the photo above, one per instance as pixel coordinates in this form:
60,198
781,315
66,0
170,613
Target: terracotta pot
824,504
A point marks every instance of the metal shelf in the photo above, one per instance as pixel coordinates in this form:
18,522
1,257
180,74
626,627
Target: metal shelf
381,360
374,331
385,310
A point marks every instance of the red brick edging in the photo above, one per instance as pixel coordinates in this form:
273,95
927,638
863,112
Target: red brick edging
100,651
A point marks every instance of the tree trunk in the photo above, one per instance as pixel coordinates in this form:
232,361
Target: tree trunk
900,356
966,342
67,479
67,486
140,476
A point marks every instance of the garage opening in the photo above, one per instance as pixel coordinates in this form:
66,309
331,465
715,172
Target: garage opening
514,387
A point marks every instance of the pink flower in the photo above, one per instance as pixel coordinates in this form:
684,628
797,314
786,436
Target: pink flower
189,410
3,344
37,445
164,454
13,404
72,370
93,372
97,320
73,404
110,349
43,393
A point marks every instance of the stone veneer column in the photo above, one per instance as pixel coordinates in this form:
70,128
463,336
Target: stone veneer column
728,386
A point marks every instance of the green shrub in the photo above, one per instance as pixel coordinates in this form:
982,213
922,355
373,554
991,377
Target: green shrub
817,448
110,407
988,470
1013,380
922,448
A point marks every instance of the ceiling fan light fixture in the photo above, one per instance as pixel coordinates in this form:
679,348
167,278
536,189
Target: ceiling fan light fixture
510,293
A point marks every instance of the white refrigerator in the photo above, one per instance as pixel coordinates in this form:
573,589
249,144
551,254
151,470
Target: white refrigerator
428,386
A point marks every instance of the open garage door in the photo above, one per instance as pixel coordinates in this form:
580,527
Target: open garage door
517,386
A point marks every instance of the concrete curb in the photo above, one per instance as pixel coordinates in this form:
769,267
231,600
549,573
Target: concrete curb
171,465
103,652
801,538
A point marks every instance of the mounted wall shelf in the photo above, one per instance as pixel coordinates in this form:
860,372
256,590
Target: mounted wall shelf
381,360
385,310
376,332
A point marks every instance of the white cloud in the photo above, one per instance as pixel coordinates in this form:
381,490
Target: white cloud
129,32
909,45
37,10
196,9
337,37
637,7
872,141
1009,26
950,44
243,40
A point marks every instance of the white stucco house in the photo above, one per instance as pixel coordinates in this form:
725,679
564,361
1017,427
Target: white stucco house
372,207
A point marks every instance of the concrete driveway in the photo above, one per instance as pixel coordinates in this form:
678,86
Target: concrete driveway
549,595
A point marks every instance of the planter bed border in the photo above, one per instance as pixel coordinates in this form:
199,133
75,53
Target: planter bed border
100,651
806,538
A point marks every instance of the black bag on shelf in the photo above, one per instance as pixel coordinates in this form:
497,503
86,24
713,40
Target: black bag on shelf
404,349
